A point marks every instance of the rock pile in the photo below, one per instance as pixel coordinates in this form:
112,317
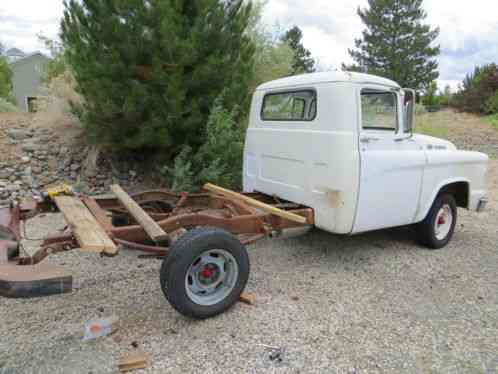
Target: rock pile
39,159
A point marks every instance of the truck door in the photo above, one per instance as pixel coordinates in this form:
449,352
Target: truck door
392,162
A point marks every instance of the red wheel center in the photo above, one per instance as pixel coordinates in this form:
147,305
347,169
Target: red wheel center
207,272
441,220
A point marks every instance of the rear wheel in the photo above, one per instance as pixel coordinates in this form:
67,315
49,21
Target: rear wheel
437,229
205,272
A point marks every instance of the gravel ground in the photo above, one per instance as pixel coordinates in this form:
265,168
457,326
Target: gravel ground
374,303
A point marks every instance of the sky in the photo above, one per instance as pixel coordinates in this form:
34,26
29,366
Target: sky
468,37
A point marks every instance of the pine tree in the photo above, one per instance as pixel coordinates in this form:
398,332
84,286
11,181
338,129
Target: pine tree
303,62
150,70
396,44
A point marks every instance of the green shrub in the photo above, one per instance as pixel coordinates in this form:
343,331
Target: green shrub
180,177
218,160
6,106
420,109
492,120
491,105
5,79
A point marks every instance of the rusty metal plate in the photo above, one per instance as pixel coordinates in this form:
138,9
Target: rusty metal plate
33,280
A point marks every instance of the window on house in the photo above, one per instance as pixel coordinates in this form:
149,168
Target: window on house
31,101
289,106
379,110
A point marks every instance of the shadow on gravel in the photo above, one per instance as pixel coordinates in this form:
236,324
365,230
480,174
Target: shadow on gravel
395,239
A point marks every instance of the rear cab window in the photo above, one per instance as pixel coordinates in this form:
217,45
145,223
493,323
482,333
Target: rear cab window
299,105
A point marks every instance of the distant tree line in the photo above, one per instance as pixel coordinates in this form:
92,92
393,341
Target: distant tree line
434,99
479,91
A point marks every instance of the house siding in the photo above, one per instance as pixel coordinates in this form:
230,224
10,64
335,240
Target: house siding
26,80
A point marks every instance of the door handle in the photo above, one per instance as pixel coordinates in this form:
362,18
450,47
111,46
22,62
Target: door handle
368,139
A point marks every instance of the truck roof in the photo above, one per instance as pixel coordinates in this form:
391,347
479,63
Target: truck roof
327,77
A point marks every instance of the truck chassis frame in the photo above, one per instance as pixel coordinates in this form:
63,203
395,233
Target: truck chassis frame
29,276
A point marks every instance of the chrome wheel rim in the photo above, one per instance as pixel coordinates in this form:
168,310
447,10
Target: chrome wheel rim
443,223
211,277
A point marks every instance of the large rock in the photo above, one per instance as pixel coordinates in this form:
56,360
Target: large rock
27,180
13,187
36,169
18,134
29,147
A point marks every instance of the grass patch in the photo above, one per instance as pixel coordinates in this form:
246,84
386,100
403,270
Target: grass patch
492,120
424,126
7,107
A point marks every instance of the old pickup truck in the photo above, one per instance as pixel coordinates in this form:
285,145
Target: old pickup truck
332,150
343,144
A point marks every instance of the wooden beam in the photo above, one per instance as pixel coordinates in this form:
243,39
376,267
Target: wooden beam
85,228
98,213
155,232
256,203
133,361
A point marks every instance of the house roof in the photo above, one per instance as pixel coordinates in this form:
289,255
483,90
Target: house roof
327,77
28,57
14,52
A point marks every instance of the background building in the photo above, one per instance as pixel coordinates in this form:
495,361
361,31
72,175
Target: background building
27,76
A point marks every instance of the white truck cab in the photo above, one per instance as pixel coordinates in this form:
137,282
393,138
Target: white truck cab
343,144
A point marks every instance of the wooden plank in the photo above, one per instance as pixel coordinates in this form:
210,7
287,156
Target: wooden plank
85,228
256,203
98,213
133,361
155,232
247,298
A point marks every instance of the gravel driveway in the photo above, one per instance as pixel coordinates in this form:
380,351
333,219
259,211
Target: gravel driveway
374,303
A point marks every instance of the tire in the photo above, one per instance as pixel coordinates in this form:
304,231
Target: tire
437,229
205,272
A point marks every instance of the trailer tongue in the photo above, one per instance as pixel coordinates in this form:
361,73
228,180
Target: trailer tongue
201,236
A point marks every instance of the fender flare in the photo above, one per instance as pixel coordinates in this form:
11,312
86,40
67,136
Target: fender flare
424,210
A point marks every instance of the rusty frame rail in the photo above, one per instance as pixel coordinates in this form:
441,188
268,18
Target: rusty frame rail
171,211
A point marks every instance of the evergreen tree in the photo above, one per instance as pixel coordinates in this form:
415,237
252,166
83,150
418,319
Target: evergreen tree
150,70
431,98
396,44
303,62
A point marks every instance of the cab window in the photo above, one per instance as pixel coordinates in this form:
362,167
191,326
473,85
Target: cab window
289,106
379,110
